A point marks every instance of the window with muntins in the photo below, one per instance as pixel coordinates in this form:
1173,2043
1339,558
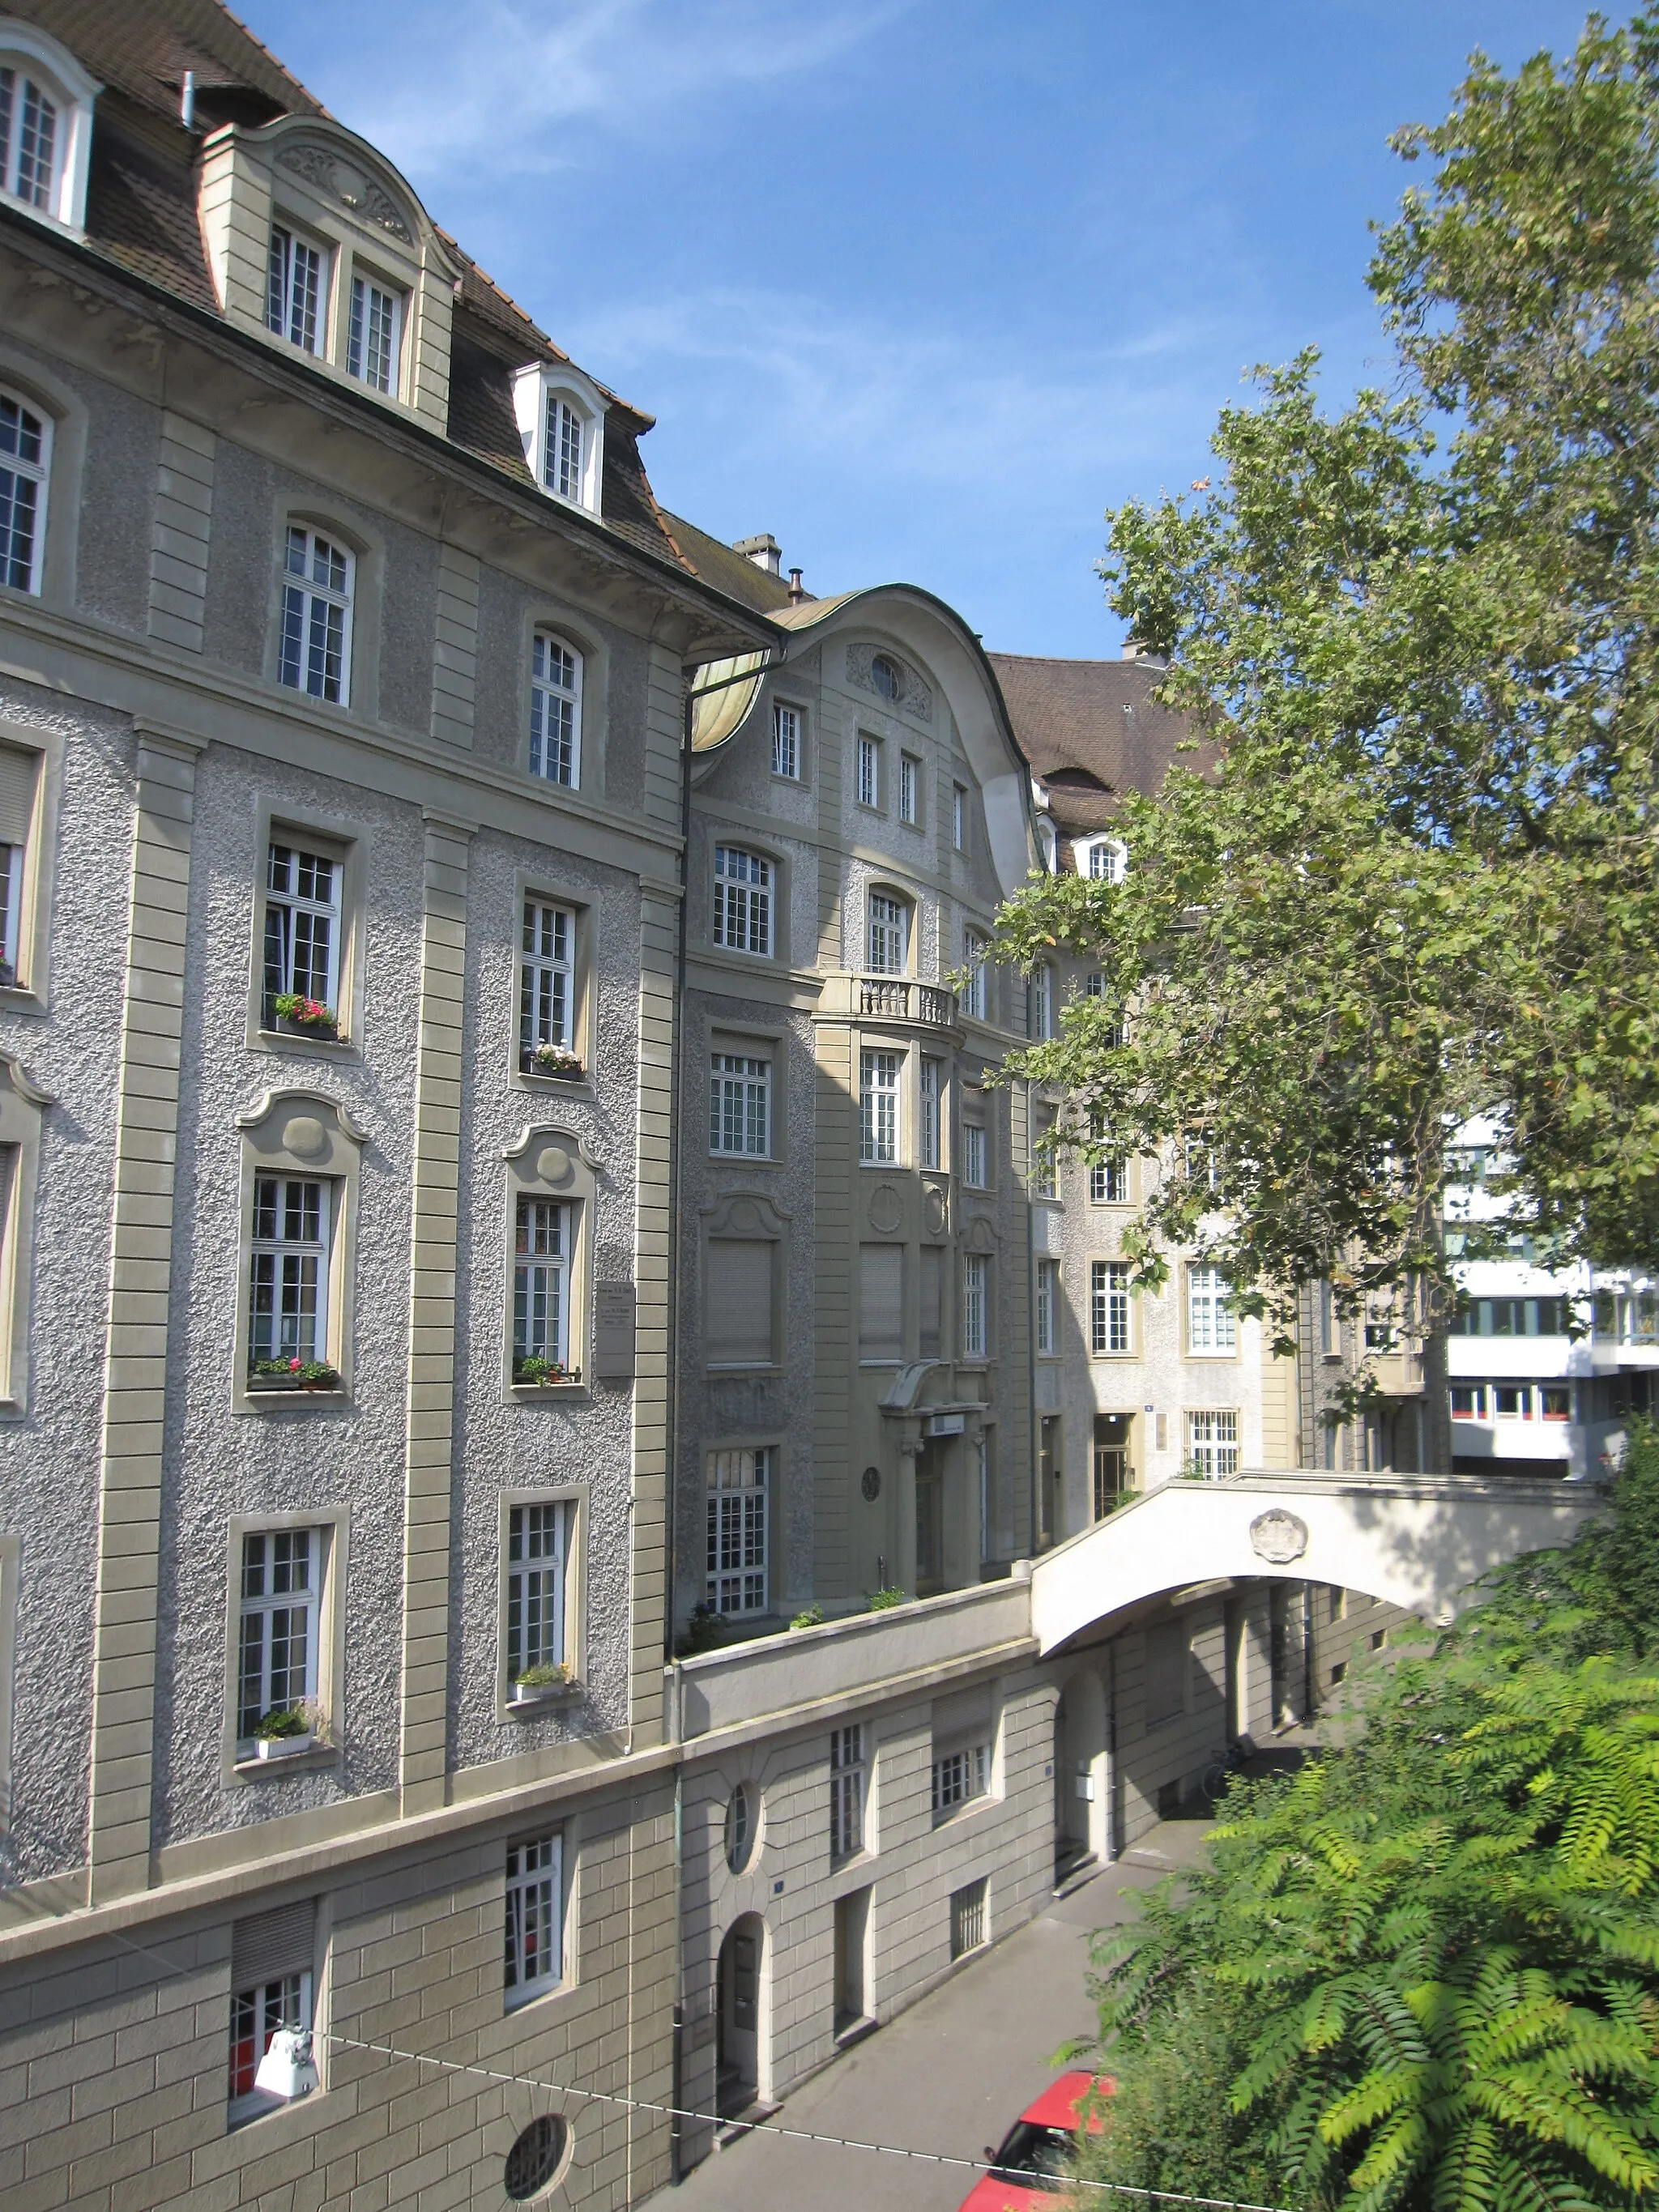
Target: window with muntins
1041,1017
959,817
1106,861
546,982
975,952
534,1917
909,788
1109,1305
931,1087
889,934
301,931
847,1776
958,1776
972,1155
786,742
556,706
878,1103
257,2012
1047,1298
25,464
18,773
1210,1322
29,148
869,772
1213,1443
316,641
743,901
1045,1166
287,1304
372,341
566,432
537,1536
736,1531
541,1290
975,1304
1109,1181
740,1105
277,1654
296,291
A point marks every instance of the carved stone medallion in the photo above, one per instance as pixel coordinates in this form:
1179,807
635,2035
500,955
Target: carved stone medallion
886,1208
340,181
1278,1536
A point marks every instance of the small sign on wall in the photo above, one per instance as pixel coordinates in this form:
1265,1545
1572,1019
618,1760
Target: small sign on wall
613,1331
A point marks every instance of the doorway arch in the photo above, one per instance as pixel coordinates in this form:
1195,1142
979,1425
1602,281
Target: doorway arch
740,2066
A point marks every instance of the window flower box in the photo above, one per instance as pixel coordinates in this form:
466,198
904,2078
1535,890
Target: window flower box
541,1685
554,1060
538,1374
293,1375
284,1732
298,1016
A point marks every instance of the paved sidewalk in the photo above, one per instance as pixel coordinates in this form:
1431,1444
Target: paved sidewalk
948,2075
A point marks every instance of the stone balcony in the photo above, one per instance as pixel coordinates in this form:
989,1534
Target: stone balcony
848,995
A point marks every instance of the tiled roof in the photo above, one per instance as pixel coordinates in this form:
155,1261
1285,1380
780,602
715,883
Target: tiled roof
144,47
734,573
1091,731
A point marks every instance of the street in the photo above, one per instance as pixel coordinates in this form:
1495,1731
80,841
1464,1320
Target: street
946,2076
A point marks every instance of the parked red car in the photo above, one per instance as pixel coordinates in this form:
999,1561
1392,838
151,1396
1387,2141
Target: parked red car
1034,2160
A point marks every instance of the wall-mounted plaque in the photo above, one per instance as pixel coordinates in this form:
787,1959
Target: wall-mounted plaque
613,1331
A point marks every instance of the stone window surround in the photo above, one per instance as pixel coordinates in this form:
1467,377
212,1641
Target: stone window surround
1135,1348
746,1440
331,1152
335,1522
1131,1184
803,775
575,1495
537,884
756,1040
22,1106
367,546
980,1240
545,617
567,1825
552,1162
33,380
348,841
884,887
777,961
300,207
32,994
1187,1349
75,91
750,1217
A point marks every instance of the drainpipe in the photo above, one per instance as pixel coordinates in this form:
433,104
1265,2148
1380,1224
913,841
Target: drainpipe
1030,1330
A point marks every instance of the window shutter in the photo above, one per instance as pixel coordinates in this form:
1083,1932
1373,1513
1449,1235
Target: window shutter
881,1301
272,1944
17,774
931,1342
738,1331
962,1720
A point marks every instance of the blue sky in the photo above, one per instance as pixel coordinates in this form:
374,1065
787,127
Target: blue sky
920,286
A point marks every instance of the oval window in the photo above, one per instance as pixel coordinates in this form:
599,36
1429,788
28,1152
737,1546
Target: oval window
885,677
534,2162
739,1828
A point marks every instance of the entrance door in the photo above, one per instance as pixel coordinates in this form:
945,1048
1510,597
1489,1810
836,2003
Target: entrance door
852,1929
1113,1476
738,1996
930,1522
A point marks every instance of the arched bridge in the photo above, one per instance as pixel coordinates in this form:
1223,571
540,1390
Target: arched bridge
1417,1540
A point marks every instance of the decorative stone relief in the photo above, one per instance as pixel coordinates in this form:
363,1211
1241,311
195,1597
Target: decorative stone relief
915,696
937,1210
1278,1537
366,198
886,1208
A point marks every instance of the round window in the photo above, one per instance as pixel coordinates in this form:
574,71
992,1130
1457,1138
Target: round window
739,1828
534,2162
885,677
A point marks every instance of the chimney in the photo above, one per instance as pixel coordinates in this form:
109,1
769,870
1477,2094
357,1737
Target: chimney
1136,648
765,551
187,100
797,589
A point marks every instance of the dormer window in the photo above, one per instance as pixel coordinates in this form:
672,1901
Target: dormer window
45,114
561,422
296,291
1103,860
372,343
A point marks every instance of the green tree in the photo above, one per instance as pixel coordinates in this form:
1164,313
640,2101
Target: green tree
1412,876
1423,1972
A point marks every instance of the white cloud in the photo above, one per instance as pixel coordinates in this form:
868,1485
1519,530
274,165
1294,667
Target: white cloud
534,82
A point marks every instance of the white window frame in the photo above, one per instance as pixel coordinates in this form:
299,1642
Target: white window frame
374,333
975,1306
1110,1313
958,1777
1109,1181
544,1230
544,396
298,293
886,934
849,1774
879,1075
57,76
785,741
1213,1442
285,2001
313,644
739,1106
288,1272
959,816
533,1907
1041,1020
535,1571
975,958
1048,1306
297,912
14,868
930,1097
564,450
265,1613
868,785
975,1157
736,1565
909,790
21,565
1212,1325
744,888
547,977
555,710
1103,860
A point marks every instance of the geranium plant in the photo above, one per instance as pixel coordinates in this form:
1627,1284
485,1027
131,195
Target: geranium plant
305,1014
537,1371
556,1059
301,1374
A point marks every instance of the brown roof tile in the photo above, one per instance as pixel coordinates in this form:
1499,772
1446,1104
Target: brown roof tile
734,573
1091,731
143,48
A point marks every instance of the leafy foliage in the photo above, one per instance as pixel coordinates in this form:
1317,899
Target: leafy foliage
1423,1972
1417,882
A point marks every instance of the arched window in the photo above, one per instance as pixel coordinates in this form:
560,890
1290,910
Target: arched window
45,114
30,152
564,451
1104,860
743,901
556,711
561,417
25,463
888,932
315,651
